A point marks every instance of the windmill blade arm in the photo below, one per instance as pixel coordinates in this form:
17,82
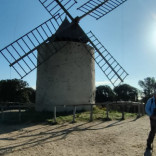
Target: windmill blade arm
62,7
93,9
107,63
22,53
11,64
54,7
99,8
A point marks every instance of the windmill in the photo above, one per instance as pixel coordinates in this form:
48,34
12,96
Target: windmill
45,43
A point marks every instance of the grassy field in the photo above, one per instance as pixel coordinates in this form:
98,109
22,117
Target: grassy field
33,116
98,114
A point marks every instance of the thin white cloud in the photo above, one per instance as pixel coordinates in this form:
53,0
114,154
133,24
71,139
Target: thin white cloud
98,83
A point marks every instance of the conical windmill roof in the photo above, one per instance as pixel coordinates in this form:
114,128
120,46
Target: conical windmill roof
70,32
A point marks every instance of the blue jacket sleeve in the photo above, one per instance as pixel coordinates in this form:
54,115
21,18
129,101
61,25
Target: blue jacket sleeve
148,107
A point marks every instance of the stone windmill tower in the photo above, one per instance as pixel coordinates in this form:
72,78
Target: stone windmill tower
64,55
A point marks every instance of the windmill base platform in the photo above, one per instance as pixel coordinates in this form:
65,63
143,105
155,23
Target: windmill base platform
66,78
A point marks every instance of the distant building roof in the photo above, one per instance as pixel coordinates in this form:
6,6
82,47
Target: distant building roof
70,32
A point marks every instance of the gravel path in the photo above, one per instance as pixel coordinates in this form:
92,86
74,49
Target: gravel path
98,138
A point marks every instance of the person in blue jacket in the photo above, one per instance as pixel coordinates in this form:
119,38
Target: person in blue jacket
150,109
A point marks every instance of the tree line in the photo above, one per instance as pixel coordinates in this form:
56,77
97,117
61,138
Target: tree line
17,90
126,92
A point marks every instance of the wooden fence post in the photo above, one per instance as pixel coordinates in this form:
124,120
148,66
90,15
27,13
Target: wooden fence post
123,115
2,109
74,112
19,114
123,109
91,112
138,110
143,109
54,114
107,113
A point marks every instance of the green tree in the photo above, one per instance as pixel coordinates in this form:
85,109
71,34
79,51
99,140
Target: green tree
104,93
15,90
27,95
149,86
126,92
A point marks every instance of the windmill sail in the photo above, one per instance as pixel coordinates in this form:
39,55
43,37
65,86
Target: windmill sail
22,53
23,56
99,8
54,8
107,63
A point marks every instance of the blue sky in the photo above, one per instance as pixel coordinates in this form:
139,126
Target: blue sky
128,33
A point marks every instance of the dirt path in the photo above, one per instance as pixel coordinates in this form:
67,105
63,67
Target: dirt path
112,138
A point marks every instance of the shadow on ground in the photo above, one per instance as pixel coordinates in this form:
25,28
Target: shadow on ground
46,133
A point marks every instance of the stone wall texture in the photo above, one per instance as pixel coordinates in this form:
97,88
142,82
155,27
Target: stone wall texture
66,78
